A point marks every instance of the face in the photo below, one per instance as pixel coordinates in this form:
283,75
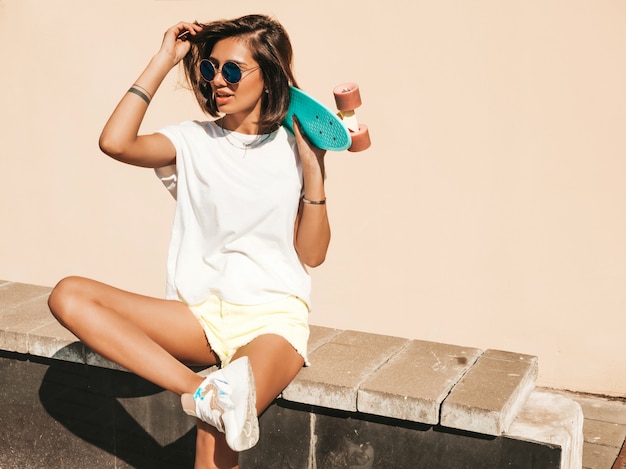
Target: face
242,98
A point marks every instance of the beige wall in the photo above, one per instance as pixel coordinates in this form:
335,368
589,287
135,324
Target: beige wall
489,212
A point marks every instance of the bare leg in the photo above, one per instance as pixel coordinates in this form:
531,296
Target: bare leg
274,364
151,337
212,452
148,336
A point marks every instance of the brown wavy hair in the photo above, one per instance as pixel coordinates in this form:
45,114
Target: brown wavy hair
271,48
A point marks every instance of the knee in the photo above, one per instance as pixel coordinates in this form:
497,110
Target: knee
65,296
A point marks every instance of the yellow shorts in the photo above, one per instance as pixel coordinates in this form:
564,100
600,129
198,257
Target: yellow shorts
229,326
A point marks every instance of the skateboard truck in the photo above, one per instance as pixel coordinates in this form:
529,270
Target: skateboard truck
347,99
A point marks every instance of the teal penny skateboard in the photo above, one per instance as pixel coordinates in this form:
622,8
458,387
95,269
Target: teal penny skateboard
324,128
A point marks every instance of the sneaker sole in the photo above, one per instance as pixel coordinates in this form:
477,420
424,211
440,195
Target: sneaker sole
249,435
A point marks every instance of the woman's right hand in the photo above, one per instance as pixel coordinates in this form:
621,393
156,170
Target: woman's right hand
174,46
120,137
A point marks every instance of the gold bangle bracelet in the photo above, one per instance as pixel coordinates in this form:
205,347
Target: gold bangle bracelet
313,202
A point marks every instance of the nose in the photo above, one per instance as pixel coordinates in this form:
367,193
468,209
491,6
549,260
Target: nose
220,77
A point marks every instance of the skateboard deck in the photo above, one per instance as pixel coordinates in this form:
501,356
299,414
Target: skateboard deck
321,126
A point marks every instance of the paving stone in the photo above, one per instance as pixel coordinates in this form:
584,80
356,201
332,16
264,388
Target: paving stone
598,456
320,335
607,410
27,316
16,322
13,294
12,341
552,419
620,462
604,433
54,341
414,383
489,396
339,367
29,327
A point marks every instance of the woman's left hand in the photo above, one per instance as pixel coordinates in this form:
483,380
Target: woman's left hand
312,158
312,230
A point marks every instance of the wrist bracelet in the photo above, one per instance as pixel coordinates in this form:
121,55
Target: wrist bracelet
139,93
314,202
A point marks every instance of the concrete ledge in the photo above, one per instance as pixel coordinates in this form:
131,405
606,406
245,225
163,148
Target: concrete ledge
414,384
63,414
339,367
491,394
552,419
27,326
483,392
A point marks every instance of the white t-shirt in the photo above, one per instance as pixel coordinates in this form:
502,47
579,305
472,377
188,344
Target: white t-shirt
234,221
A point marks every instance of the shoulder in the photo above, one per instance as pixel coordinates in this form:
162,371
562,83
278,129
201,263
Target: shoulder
190,129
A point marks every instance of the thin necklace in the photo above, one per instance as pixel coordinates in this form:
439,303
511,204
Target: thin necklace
243,145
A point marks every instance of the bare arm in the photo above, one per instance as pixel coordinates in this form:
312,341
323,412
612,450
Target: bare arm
119,138
312,230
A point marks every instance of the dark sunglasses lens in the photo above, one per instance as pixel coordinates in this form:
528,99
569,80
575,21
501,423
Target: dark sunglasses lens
207,70
231,72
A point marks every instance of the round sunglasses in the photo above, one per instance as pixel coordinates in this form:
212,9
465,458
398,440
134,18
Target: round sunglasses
231,71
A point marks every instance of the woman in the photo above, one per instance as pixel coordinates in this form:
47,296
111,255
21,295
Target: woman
250,216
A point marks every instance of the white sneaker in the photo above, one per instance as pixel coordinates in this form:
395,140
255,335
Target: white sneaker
226,399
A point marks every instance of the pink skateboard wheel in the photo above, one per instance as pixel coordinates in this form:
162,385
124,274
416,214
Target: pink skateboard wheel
361,139
347,96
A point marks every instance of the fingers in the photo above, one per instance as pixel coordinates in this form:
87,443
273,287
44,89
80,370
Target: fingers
183,30
300,135
175,40
296,128
302,140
